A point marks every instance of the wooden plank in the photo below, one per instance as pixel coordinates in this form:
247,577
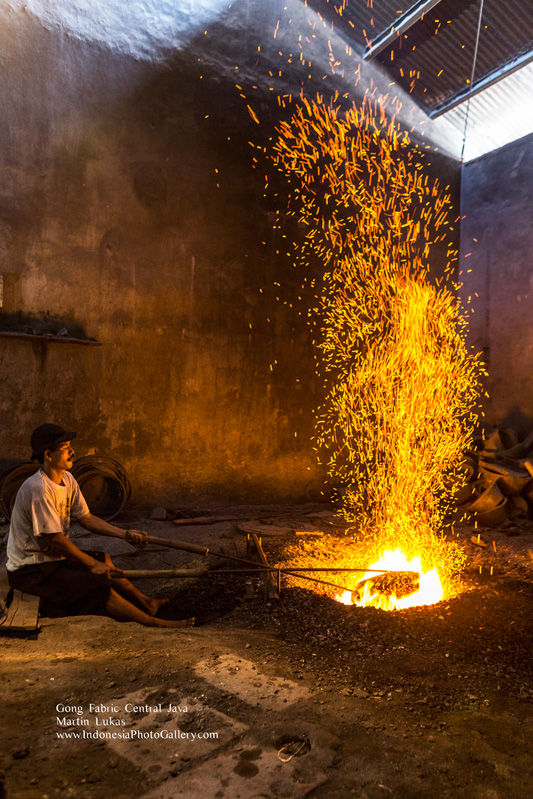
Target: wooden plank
5,593
22,615
19,613
47,338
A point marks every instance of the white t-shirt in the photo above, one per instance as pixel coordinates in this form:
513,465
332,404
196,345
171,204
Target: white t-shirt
41,506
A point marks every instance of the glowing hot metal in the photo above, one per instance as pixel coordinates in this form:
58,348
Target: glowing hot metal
366,594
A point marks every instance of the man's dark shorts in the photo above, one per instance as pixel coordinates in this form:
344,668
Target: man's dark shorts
67,588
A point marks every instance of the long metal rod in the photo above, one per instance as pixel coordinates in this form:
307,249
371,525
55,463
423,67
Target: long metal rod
185,546
287,569
296,573
299,575
148,574
185,573
401,24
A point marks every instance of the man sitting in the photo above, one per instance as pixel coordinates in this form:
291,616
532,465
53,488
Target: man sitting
42,560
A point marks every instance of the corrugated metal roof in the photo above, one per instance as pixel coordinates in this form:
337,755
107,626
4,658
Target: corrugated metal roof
433,59
438,51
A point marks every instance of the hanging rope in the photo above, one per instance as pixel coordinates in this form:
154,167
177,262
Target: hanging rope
472,77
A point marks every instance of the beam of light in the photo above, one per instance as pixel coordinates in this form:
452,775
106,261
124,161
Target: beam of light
500,114
401,387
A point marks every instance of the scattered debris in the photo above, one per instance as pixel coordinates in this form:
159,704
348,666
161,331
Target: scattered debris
293,748
478,541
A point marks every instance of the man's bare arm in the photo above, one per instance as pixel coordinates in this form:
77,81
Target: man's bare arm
57,544
96,525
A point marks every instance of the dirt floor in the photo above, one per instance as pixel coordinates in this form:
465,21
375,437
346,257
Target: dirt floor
301,697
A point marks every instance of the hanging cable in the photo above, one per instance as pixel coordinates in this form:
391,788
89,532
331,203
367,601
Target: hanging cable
472,78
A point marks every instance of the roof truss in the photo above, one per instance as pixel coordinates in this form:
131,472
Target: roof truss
401,24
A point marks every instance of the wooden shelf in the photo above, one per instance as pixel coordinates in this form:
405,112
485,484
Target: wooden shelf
49,338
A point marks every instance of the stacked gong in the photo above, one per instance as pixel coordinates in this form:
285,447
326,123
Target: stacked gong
103,481
13,472
497,479
104,484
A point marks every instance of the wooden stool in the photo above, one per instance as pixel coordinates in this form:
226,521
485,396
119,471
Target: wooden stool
19,613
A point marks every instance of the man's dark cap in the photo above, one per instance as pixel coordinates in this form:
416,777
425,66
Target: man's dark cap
48,436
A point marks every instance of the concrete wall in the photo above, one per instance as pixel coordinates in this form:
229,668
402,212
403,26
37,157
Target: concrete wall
130,212
497,272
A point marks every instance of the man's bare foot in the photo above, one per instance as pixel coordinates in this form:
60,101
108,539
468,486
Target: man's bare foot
152,606
174,622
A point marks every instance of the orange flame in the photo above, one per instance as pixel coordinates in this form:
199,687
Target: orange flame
429,592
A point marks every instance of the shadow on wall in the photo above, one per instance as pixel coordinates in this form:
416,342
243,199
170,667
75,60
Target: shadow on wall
152,236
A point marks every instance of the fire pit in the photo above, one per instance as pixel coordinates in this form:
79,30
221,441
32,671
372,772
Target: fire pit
388,582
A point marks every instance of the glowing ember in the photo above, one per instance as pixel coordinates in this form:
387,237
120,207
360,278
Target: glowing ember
368,594
400,384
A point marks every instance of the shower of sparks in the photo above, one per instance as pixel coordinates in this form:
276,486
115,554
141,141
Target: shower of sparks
401,386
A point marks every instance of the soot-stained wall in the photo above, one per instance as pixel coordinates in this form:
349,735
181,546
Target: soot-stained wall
497,273
130,212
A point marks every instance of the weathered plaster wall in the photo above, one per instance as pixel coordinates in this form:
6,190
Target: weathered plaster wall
497,272
129,209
